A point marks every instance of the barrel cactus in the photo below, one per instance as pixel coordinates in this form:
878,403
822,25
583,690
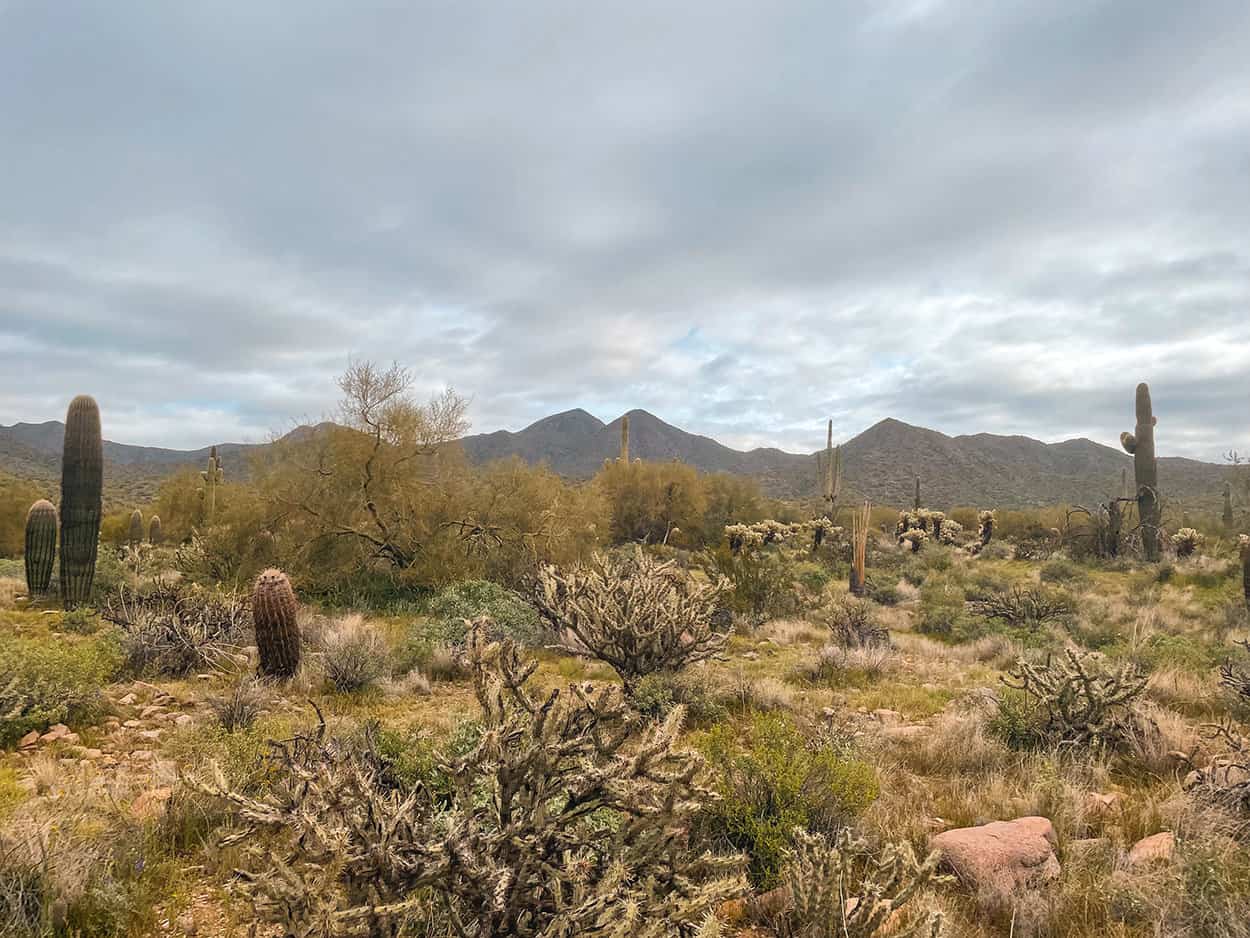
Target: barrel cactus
41,523
154,530
277,629
1141,445
135,533
82,484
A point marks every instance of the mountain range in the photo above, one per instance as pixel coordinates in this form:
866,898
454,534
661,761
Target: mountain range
880,464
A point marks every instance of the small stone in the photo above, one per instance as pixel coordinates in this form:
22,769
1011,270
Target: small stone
70,739
150,734
184,719
1153,849
129,700
186,924
150,802
203,677
90,755
132,724
142,755
29,739
150,711
887,717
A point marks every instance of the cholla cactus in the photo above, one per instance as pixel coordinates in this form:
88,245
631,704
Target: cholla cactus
949,531
985,526
568,818
1084,701
635,613
840,887
1186,541
762,533
913,539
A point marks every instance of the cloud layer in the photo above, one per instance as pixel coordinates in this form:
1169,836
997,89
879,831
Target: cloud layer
744,217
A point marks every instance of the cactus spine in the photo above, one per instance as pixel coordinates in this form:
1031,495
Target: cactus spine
211,476
154,530
277,630
135,535
40,546
1141,445
82,483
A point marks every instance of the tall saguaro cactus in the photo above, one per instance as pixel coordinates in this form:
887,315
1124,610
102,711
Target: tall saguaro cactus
1243,543
1228,506
82,484
829,468
211,476
1141,445
916,504
40,546
277,629
625,440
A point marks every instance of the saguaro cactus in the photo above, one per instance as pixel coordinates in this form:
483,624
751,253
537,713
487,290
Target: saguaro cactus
916,504
135,534
40,546
829,470
625,440
211,476
82,482
277,629
1141,445
1243,543
154,530
1228,506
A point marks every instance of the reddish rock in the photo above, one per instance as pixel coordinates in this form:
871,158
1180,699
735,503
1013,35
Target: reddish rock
1157,848
995,859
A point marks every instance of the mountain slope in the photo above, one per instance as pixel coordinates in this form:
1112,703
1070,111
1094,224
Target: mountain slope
881,463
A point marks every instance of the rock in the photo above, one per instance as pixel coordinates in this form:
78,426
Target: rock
1100,804
887,717
187,925
908,733
132,724
203,677
1153,849
142,755
996,859
150,734
183,719
150,711
55,733
90,755
151,802
70,739
129,700
28,740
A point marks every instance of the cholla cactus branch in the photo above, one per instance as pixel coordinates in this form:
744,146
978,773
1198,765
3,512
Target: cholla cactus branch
1186,541
841,888
1085,702
635,613
567,819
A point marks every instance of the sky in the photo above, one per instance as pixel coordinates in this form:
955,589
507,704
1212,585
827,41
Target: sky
746,218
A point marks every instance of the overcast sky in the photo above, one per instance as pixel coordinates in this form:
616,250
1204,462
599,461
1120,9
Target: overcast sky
744,217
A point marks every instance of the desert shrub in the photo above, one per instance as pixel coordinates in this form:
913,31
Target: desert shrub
763,581
812,577
1018,720
840,666
1065,572
822,871
1083,701
854,623
942,610
1025,607
882,591
81,621
411,760
776,780
1163,650
44,682
632,612
238,709
563,796
354,654
175,628
512,616
997,550
984,582
703,693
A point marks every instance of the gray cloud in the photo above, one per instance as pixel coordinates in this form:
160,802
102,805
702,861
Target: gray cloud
743,217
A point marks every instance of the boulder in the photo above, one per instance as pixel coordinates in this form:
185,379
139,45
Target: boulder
1157,848
996,859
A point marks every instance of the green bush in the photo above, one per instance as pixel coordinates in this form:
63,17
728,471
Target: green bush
942,610
764,582
882,591
44,682
409,758
705,698
773,781
513,616
81,621
1064,571
1018,721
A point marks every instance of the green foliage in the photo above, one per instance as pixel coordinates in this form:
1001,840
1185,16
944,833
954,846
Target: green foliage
1063,571
1018,720
81,621
45,681
705,699
942,611
16,497
764,582
411,759
774,779
513,617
